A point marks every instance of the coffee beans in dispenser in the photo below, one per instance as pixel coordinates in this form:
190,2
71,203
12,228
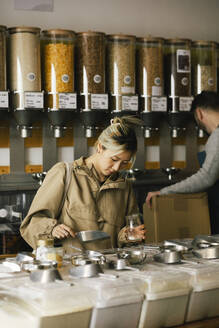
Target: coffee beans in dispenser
150,82
177,70
90,80
121,74
58,68
25,76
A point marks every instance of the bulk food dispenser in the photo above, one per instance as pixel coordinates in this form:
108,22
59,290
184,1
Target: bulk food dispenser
177,72
4,104
204,68
121,74
25,76
58,49
150,82
90,79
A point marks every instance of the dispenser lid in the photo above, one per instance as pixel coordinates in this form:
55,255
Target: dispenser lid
58,33
204,43
90,33
177,40
150,38
3,28
121,37
22,29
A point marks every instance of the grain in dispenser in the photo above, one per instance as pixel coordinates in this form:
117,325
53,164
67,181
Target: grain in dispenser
90,80
150,82
121,74
58,59
177,65
4,106
25,76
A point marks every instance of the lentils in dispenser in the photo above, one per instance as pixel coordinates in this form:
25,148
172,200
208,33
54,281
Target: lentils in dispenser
121,72
91,70
177,66
204,66
58,53
150,82
24,66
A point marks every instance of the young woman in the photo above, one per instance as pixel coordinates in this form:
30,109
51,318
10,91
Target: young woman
98,197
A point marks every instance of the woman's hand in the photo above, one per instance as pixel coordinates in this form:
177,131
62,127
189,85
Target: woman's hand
140,231
150,195
62,231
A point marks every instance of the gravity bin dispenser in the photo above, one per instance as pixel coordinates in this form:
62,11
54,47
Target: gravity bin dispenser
150,83
4,100
91,85
58,61
177,72
121,74
25,77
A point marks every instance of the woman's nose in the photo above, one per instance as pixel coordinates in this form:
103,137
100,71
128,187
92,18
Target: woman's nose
116,166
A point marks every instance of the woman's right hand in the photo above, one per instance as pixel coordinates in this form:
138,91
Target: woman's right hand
62,231
150,195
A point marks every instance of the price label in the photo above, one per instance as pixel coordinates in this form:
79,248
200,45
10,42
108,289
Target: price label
3,99
99,101
130,103
67,100
158,104
33,100
185,103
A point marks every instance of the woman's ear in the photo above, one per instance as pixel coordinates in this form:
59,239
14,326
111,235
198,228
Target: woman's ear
199,114
99,148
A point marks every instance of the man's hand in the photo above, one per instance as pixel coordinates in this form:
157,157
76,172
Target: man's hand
62,231
150,195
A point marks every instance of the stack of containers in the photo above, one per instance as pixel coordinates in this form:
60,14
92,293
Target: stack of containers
166,296
117,302
51,305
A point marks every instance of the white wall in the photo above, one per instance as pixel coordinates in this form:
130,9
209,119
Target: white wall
195,19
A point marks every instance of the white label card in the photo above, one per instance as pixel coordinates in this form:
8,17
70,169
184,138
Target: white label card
185,103
67,100
33,100
3,99
183,61
99,101
130,103
158,104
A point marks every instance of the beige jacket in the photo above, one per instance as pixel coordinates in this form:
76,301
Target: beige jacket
88,206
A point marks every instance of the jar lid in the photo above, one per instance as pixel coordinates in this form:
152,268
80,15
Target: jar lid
150,39
3,28
177,40
121,37
22,29
204,43
45,242
58,33
90,33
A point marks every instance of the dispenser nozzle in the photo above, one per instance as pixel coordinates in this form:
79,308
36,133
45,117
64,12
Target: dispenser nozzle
25,131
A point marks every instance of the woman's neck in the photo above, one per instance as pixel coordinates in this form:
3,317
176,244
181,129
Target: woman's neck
94,161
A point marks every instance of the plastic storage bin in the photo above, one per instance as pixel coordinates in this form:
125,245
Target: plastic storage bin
52,305
117,302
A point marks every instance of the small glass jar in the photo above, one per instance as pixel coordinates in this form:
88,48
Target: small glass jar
120,67
133,221
204,66
149,64
177,70
58,62
24,62
47,252
90,54
3,78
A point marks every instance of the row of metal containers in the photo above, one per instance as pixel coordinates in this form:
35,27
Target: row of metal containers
92,63
158,295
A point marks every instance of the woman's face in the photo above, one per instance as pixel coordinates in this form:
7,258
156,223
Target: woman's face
109,163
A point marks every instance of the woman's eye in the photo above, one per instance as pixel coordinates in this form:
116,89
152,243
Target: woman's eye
114,159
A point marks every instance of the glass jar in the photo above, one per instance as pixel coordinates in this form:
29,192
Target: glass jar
3,78
90,54
133,221
204,66
149,66
58,55
120,67
47,252
24,62
177,70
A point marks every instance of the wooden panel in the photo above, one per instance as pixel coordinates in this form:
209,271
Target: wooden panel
36,139
4,169
4,134
152,165
153,141
68,139
33,168
179,164
179,141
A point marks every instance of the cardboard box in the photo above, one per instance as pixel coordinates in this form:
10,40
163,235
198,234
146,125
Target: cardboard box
177,216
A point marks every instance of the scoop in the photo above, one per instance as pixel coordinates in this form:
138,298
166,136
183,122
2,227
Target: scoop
91,235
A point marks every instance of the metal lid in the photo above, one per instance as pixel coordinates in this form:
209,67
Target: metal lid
58,32
45,242
22,29
121,37
3,28
150,39
90,33
204,43
177,40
